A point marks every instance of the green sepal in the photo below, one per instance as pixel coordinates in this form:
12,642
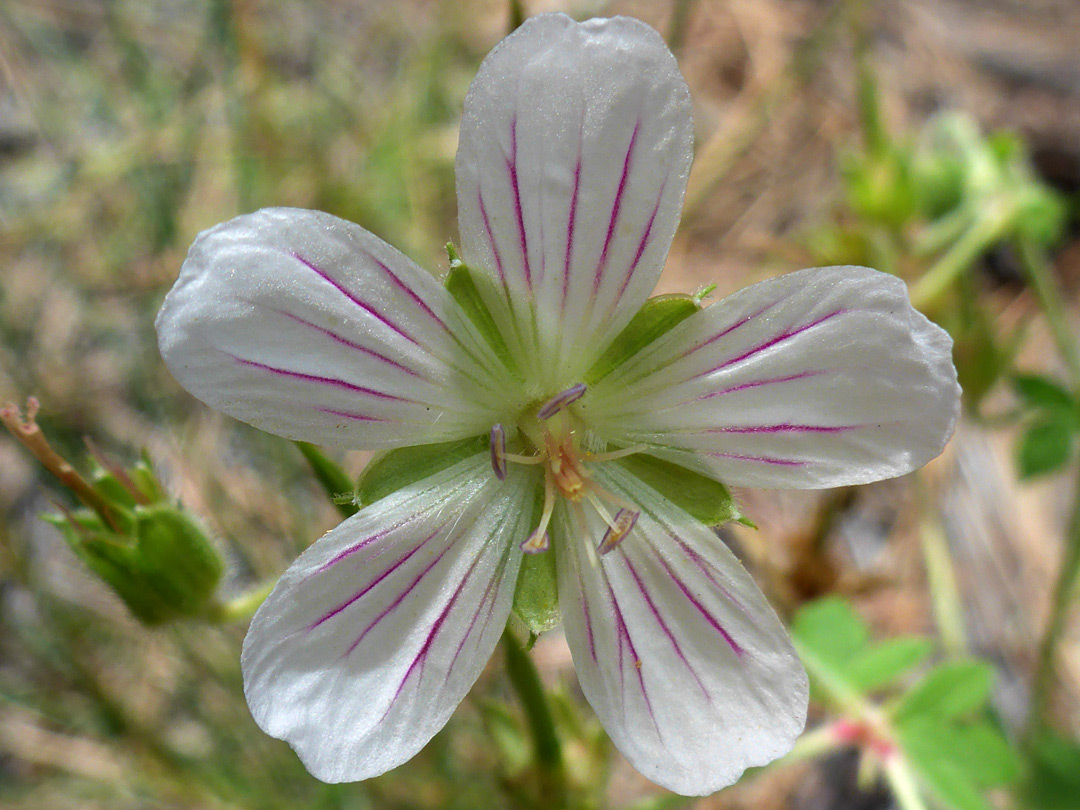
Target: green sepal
657,316
702,497
396,469
164,569
145,480
331,478
462,286
112,490
177,559
536,595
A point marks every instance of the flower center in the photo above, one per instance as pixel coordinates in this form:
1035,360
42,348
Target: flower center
552,435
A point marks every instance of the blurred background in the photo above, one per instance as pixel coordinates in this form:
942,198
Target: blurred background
935,139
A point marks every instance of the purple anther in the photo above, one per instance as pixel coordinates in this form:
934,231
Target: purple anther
560,401
621,525
537,541
498,451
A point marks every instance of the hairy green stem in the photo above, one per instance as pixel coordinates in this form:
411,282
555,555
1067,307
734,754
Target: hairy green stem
904,783
940,574
242,607
1064,591
530,691
943,231
1050,298
680,18
984,232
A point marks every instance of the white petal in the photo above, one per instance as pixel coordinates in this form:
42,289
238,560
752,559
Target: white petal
310,327
819,378
575,146
688,668
375,634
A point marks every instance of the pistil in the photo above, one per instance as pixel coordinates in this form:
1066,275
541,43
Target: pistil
554,432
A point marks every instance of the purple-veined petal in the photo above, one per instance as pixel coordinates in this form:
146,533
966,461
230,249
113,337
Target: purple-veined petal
819,378
310,327
685,663
375,634
575,148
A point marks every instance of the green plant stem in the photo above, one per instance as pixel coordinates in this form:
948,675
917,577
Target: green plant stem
904,784
984,232
242,607
1064,590
516,16
530,691
940,574
1050,298
334,481
943,231
680,18
811,744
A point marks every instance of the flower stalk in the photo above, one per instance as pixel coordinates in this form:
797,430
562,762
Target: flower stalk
1043,284
525,679
928,291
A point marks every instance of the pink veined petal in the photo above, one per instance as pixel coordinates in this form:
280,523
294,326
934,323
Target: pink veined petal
575,147
819,378
375,634
310,327
688,668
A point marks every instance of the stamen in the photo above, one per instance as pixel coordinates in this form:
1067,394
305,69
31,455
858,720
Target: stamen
498,451
610,497
520,459
599,507
539,540
621,526
626,451
560,401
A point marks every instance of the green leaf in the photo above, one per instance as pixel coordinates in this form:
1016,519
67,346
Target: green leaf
830,630
984,754
949,690
1043,393
657,316
707,500
462,286
882,664
396,469
1045,446
1053,782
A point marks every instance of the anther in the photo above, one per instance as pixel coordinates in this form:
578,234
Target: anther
560,401
620,526
538,541
498,451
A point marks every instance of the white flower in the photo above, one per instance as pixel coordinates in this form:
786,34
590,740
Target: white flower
575,148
